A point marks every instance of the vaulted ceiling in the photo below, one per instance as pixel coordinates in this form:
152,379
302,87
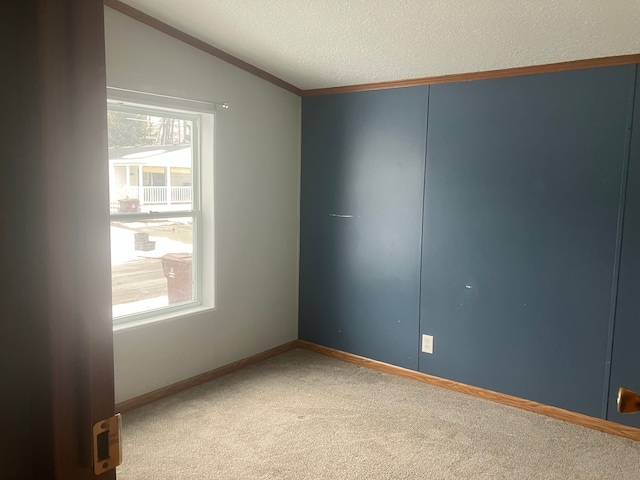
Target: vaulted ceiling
326,43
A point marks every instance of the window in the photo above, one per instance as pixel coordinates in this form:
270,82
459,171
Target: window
155,203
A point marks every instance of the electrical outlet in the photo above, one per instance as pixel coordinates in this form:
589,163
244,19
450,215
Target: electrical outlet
427,343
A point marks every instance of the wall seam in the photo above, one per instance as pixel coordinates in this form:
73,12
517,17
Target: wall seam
299,215
606,391
422,230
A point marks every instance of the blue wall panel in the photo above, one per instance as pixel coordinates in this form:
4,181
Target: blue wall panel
362,180
625,366
519,235
520,231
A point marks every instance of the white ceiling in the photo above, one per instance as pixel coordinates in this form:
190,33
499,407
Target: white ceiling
326,43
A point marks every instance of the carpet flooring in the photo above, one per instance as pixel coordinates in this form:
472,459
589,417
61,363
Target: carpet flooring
305,416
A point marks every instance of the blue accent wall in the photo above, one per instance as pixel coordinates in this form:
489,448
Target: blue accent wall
521,216
625,366
361,221
500,237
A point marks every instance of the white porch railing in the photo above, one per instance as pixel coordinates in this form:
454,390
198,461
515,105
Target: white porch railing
180,194
153,195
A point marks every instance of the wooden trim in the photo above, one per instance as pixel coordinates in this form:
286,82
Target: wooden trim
457,77
504,399
199,44
467,77
169,390
553,412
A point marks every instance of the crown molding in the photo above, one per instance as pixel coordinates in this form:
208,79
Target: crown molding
467,77
199,44
457,77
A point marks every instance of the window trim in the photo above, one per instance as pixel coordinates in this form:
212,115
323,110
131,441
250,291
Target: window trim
149,107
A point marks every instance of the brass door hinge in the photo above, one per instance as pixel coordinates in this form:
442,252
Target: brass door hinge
107,449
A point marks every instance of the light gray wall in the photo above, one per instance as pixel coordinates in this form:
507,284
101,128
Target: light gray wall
256,196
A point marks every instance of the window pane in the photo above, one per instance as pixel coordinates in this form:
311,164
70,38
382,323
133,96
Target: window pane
151,264
150,162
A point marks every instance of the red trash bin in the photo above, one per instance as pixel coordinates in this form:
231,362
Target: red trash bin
177,270
129,205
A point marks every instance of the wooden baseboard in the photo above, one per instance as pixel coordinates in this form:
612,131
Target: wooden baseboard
553,412
504,399
169,390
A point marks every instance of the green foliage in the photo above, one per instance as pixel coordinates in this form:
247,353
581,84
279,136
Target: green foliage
129,129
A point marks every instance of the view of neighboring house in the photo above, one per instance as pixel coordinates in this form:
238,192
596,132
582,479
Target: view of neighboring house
151,179
157,176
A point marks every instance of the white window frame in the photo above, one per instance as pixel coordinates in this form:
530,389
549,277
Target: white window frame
202,152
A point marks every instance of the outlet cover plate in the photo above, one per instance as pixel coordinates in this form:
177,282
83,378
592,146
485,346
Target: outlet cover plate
427,343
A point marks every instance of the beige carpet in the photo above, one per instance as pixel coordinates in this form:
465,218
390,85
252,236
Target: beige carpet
305,416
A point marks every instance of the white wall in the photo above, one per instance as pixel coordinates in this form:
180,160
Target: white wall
256,196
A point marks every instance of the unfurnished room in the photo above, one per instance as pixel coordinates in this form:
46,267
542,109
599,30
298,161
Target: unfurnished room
315,239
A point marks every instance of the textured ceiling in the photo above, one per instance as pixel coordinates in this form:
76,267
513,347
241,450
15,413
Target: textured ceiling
326,43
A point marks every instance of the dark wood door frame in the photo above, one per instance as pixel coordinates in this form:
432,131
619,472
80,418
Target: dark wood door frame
56,338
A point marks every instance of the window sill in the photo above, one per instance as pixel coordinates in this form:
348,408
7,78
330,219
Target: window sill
161,318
